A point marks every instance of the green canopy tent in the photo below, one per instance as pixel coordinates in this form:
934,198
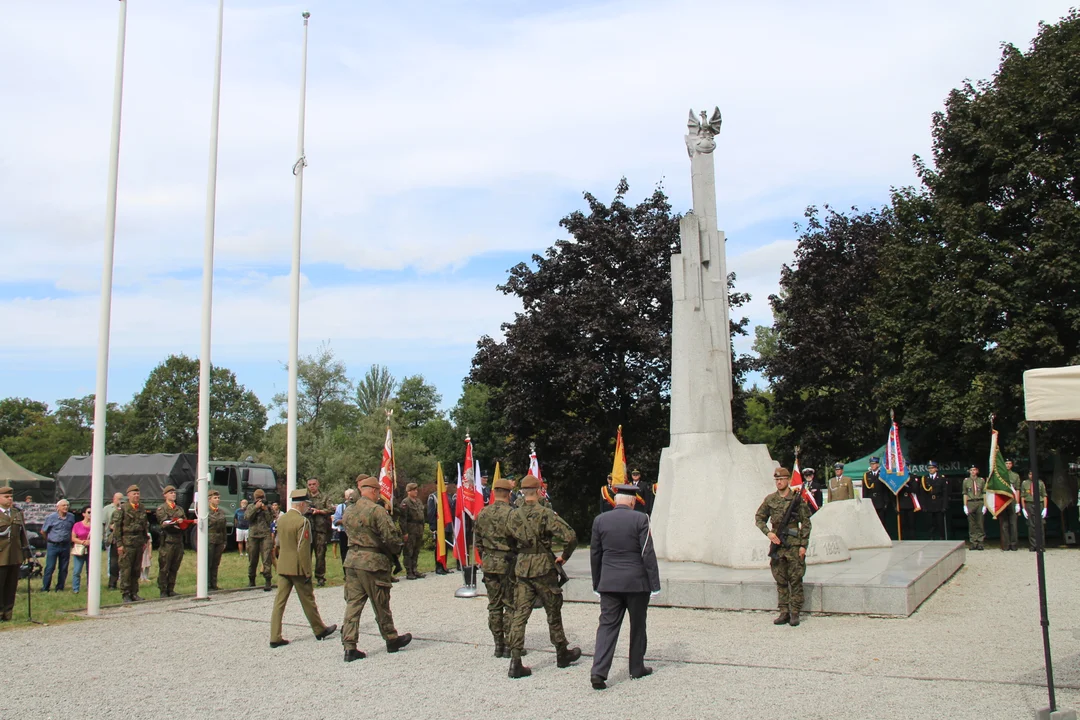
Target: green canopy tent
24,482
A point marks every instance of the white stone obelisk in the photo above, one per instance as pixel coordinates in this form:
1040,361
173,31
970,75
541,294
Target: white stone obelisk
710,483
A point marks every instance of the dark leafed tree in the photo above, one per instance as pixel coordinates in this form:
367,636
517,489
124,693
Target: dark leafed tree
375,390
417,402
323,392
590,350
822,357
985,279
164,415
50,438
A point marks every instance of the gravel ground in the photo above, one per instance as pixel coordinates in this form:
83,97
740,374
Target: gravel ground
973,650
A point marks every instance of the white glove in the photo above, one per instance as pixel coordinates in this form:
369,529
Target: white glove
966,510
1044,513
984,509
596,593
654,593
1025,513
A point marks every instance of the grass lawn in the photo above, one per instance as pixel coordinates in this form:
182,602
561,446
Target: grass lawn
54,607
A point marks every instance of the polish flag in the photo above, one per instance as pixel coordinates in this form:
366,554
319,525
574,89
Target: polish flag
799,486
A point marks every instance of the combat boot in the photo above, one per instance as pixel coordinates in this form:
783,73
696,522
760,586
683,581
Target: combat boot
500,646
564,655
354,654
783,619
266,588
517,670
392,646
794,621
251,581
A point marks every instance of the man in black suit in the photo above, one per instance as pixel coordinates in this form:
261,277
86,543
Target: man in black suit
645,493
874,488
624,573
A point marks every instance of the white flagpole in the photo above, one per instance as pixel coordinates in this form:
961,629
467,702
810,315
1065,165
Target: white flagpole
101,393
202,553
294,315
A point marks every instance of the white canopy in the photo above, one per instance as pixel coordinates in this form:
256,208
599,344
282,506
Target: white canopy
1052,393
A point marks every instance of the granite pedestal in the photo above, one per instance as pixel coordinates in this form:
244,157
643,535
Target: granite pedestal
890,581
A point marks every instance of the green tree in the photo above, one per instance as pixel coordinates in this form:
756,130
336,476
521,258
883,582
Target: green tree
17,414
760,427
164,415
475,414
375,390
322,393
417,402
45,444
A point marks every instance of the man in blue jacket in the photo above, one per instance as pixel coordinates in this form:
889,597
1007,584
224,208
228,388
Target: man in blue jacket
624,574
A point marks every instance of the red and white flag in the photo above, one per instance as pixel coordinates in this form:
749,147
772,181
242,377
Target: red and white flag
387,474
799,486
534,470
468,501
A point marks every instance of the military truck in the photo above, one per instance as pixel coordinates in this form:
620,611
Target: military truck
234,480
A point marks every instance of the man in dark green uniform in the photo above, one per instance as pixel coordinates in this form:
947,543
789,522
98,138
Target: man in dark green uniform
293,547
216,531
171,552
789,563
496,559
259,541
975,507
322,520
373,540
1027,502
531,529
1007,517
411,519
129,530
14,549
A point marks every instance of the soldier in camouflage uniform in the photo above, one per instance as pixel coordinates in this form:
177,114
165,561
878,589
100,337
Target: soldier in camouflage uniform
497,561
789,565
171,552
260,541
373,540
129,529
321,509
216,529
411,520
530,530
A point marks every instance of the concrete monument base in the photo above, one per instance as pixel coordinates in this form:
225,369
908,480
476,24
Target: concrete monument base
1048,714
855,521
891,581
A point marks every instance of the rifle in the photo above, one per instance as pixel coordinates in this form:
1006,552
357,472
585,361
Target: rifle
782,530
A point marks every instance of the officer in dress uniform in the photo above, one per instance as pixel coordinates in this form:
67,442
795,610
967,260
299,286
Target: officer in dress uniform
14,549
644,498
840,487
934,500
906,505
874,488
293,547
607,495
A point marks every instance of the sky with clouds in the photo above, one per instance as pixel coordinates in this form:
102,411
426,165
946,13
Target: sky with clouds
444,143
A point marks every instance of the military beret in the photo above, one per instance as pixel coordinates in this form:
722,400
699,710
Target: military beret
260,493
213,493
168,489
838,466
781,472
875,459
411,486
626,489
530,482
361,476
931,464
503,484
368,482
5,490
133,488
808,471
299,494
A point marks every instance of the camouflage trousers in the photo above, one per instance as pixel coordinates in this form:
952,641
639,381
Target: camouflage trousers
411,551
500,592
359,586
319,542
170,555
259,548
788,570
131,568
546,588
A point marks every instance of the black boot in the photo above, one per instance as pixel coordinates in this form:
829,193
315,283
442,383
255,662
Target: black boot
266,587
392,646
500,647
354,654
517,670
564,656
251,581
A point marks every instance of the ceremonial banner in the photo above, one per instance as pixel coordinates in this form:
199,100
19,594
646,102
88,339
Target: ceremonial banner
618,467
534,470
442,511
896,470
999,493
800,487
469,501
495,479
387,475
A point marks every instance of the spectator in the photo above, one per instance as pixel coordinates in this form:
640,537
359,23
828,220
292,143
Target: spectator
340,536
241,523
147,557
57,532
80,550
29,499
114,556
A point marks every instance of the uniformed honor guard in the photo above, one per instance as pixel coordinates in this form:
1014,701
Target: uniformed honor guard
607,495
293,548
1027,502
171,551
531,529
624,575
14,549
217,531
840,487
260,541
788,560
935,498
815,484
411,518
975,507
644,498
874,488
1007,517
321,511
497,561
373,540
129,529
